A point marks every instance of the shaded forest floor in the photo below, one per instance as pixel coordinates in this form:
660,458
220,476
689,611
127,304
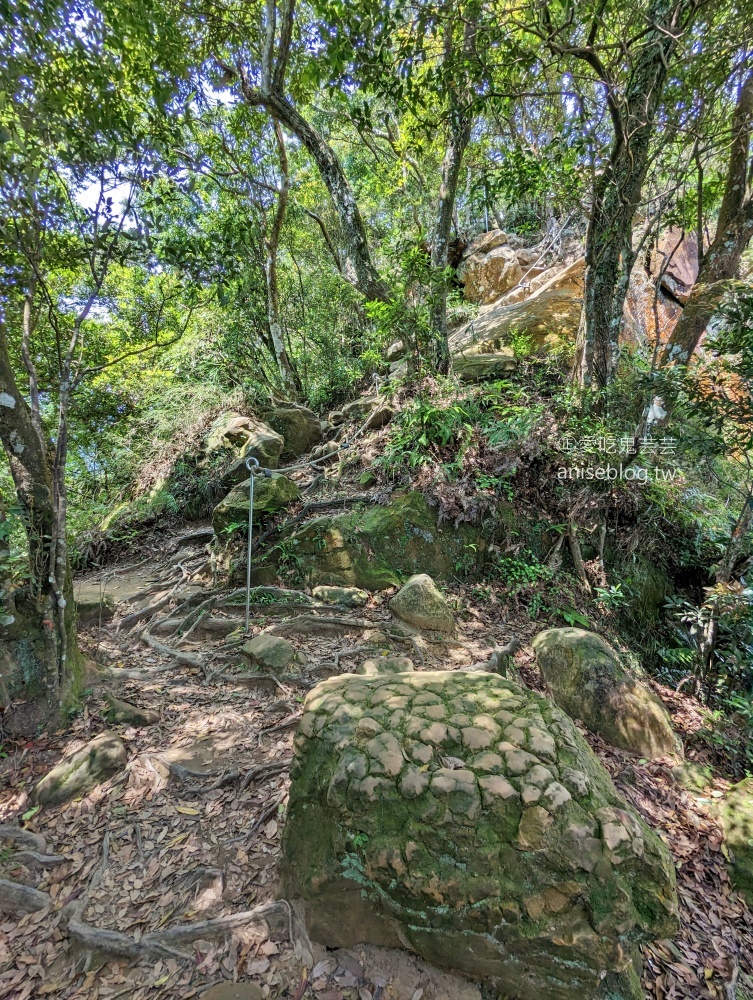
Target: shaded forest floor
190,831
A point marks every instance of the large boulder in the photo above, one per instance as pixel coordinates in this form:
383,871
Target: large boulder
299,426
485,242
736,814
487,275
593,683
464,817
78,774
420,603
548,319
271,494
377,547
475,366
238,437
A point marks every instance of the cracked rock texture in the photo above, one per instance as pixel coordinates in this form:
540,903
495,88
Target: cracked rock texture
464,817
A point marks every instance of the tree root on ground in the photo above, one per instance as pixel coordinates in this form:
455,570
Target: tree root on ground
163,942
18,898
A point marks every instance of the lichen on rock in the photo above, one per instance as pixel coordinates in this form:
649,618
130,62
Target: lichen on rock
465,817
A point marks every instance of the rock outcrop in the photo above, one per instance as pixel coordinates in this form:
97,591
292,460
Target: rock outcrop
591,682
78,774
485,275
420,603
464,817
299,427
244,437
271,494
378,547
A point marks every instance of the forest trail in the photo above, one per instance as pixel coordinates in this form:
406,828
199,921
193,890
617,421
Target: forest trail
175,856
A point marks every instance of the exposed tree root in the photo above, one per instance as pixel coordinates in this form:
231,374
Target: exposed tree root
32,841
17,898
188,659
163,942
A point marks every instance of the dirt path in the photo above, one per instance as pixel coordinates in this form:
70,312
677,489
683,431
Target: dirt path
190,831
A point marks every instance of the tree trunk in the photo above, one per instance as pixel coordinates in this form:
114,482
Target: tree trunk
734,231
460,133
617,193
284,364
31,467
358,266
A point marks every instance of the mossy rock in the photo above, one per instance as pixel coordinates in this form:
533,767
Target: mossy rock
92,612
271,494
299,426
377,547
736,814
269,652
78,774
593,683
477,367
420,603
464,816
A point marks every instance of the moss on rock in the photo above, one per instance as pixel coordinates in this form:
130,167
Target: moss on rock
736,814
465,816
379,547
591,682
271,494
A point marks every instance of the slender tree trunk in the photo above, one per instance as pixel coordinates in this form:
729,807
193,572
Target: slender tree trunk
460,133
617,193
358,266
284,364
733,233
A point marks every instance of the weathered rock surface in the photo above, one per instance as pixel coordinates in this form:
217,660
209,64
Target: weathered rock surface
474,366
271,494
464,816
246,436
485,242
377,547
548,318
78,774
124,711
390,663
270,652
736,814
420,603
299,426
350,597
591,682
378,411
485,275
92,612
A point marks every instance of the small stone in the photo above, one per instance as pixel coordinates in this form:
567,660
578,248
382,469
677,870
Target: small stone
436,733
518,761
515,736
530,794
539,775
124,711
422,753
576,782
270,652
366,729
386,755
556,795
489,762
541,743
